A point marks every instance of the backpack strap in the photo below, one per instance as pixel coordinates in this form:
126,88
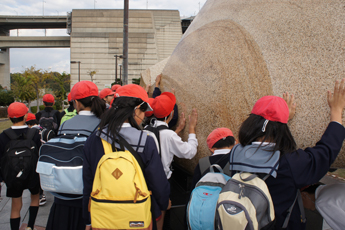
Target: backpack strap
301,208
108,148
204,164
134,153
30,134
11,134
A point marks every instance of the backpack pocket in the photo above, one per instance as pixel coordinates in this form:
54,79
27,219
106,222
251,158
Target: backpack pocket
61,178
201,207
233,215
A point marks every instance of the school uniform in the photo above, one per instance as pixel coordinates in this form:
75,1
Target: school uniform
172,145
214,159
56,114
294,170
145,146
4,140
67,214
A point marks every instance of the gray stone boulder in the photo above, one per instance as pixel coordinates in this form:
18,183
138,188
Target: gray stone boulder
236,51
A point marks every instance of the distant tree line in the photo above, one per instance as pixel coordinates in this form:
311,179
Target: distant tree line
33,83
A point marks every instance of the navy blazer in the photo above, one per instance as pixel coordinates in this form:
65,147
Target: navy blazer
302,168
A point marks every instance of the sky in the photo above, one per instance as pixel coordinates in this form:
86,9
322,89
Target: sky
58,59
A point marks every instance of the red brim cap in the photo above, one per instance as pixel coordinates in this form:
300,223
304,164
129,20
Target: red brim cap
218,134
163,105
133,90
84,89
272,108
48,98
69,97
17,109
31,116
106,92
115,87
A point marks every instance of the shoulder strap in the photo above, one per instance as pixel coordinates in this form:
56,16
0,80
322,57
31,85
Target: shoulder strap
301,208
11,134
110,148
134,153
204,164
30,134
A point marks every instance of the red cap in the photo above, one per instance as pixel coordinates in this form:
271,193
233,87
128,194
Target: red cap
48,98
17,109
272,108
115,87
132,90
69,97
31,116
149,113
106,92
163,104
218,134
84,89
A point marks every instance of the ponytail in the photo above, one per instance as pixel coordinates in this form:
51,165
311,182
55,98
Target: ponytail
95,103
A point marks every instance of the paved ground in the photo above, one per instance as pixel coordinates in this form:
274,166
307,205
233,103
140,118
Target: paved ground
176,215
5,211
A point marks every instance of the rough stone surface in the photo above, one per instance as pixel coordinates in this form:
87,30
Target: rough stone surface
236,51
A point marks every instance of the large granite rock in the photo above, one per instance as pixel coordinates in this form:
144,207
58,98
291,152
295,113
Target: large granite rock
237,51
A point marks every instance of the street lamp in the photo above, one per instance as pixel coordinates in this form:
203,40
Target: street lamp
116,56
120,71
73,62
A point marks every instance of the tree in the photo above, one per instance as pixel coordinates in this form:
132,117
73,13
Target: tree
6,96
92,73
37,80
61,80
22,88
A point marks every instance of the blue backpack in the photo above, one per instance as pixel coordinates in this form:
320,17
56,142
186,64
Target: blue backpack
203,201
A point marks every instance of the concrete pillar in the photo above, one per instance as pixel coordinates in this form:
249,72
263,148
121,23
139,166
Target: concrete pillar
5,64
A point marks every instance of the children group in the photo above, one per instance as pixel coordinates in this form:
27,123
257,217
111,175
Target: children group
130,142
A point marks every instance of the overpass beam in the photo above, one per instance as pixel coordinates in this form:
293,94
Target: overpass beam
5,63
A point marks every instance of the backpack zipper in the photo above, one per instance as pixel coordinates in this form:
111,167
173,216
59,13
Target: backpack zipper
118,201
241,194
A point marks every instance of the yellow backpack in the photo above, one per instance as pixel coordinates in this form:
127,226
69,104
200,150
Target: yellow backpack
120,198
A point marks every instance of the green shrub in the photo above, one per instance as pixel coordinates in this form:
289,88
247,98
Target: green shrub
6,97
3,112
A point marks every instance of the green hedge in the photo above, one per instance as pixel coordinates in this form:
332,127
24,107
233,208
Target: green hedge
34,108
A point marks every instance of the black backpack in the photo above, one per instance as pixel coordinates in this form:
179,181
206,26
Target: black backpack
19,161
48,120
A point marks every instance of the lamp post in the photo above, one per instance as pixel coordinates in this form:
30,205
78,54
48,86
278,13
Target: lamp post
73,62
116,56
125,42
120,71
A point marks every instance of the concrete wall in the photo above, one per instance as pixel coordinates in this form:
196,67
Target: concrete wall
97,36
5,64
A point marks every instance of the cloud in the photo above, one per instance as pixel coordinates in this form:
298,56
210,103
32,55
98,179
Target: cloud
55,59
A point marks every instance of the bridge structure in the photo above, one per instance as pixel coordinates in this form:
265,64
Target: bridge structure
95,41
8,23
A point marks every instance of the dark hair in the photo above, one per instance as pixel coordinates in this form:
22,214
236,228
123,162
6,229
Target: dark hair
49,104
95,103
276,132
16,120
121,110
32,122
223,143
71,107
163,118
